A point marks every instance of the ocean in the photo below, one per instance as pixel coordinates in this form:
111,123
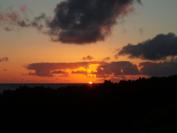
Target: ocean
51,86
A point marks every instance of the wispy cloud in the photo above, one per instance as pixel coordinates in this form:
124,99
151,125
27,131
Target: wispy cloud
4,59
88,58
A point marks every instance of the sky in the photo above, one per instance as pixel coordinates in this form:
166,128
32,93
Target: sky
78,45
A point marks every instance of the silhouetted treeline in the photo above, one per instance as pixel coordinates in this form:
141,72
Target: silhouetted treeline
107,93
144,105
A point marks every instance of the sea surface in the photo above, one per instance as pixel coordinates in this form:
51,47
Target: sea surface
51,86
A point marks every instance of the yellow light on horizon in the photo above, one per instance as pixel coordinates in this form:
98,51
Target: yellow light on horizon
90,82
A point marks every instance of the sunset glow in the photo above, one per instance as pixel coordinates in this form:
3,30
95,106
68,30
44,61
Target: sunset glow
97,57
40,45
90,82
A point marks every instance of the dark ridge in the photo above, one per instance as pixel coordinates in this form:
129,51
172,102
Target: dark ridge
144,105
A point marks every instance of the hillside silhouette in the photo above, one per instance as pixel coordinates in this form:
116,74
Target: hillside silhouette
144,105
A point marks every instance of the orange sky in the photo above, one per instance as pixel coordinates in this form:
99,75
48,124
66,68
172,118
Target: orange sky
24,46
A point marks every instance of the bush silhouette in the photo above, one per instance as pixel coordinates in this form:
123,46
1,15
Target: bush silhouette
140,104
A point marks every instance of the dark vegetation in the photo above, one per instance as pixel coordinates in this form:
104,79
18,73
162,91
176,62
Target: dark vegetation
144,105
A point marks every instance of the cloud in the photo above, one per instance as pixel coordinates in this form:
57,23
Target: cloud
87,58
4,59
87,21
8,29
80,72
11,16
106,59
51,69
11,19
160,47
100,71
59,73
74,21
159,69
118,69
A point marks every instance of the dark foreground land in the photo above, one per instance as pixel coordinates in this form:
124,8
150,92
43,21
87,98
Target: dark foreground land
142,106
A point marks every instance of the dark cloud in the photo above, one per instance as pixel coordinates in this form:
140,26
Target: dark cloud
4,70
159,69
107,59
113,70
50,69
118,69
87,21
160,47
74,21
8,29
59,72
80,72
4,59
23,23
87,58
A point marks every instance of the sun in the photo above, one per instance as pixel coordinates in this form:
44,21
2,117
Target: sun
90,82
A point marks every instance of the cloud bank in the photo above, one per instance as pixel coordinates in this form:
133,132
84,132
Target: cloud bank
118,68
102,69
159,69
50,69
158,48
